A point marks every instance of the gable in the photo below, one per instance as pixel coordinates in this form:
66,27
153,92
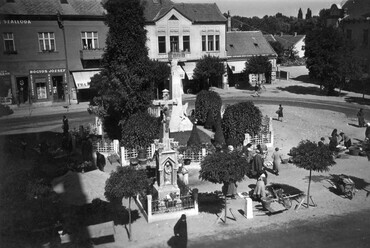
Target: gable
173,18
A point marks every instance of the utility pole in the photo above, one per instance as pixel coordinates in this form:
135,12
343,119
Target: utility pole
61,26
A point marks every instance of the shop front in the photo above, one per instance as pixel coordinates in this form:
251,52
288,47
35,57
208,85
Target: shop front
6,95
48,85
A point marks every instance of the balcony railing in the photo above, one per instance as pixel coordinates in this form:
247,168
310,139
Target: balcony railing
177,55
91,54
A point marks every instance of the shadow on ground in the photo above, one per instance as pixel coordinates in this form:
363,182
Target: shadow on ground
358,100
211,203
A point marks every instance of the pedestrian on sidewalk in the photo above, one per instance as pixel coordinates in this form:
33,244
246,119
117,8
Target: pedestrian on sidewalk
181,232
361,118
276,161
280,114
346,140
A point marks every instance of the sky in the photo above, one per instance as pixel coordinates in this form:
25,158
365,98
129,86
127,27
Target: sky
260,8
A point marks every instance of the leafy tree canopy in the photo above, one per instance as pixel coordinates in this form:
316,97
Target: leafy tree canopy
239,119
140,130
208,68
308,155
124,86
329,57
257,65
223,167
125,182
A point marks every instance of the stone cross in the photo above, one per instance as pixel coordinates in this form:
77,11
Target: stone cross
165,105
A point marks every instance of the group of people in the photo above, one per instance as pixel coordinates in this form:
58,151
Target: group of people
337,139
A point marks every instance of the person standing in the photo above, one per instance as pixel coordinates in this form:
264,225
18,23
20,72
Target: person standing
361,118
276,161
260,189
367,131
280,113
181,232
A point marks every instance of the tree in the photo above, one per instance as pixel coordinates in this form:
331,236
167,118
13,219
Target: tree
194,141
329,57
259,65
160,73
279,49
308,155
140,130
124,87
224,167
300,14
210,122
308,14
125,182
209,69
205,101
239,119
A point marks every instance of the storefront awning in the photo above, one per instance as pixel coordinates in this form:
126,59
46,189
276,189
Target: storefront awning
83,78
189,69
236,66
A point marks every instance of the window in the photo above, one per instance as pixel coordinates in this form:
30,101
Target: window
365,39
8,43
90,40
186,43
174,43
303,48
217,45
47,42
162,44
349,34
204,42
41,88
210,42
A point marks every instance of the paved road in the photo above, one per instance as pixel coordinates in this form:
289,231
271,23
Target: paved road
22,124
351,230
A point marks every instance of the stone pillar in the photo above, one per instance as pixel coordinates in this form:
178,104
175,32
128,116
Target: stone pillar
248,208
124,162
149,203
116,146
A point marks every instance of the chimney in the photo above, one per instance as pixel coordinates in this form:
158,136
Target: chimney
228,21
295,34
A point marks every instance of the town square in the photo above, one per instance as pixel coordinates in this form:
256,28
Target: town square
152,123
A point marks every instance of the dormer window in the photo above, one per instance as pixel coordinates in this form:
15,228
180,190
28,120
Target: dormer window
64,1
10,1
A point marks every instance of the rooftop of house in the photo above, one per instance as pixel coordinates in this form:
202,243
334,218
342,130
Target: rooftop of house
247,43
287,40
357,9
153,9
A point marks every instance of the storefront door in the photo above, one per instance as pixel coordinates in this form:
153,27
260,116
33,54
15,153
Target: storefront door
58,88
22,90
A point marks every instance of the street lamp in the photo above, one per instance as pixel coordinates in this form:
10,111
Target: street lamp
61,26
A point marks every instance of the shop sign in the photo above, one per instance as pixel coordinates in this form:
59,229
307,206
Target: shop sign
15,22
4,73
47,71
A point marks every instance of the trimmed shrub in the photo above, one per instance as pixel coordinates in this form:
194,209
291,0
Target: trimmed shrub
219,139
5,110
140,130
239,119
205,101
194,139
210,122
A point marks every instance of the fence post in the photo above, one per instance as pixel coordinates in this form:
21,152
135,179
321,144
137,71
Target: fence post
116,146
149,204
204,152
123,157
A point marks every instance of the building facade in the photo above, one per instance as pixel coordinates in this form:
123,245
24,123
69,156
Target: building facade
47,45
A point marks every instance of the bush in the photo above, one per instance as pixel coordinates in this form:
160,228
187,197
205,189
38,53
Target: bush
239,119
210,122
194,139
5,110
140,130
205,101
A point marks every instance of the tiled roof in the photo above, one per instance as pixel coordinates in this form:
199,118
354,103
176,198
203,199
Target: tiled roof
153,9
288,41
269,37
357,9
247,43
50,7
196,12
